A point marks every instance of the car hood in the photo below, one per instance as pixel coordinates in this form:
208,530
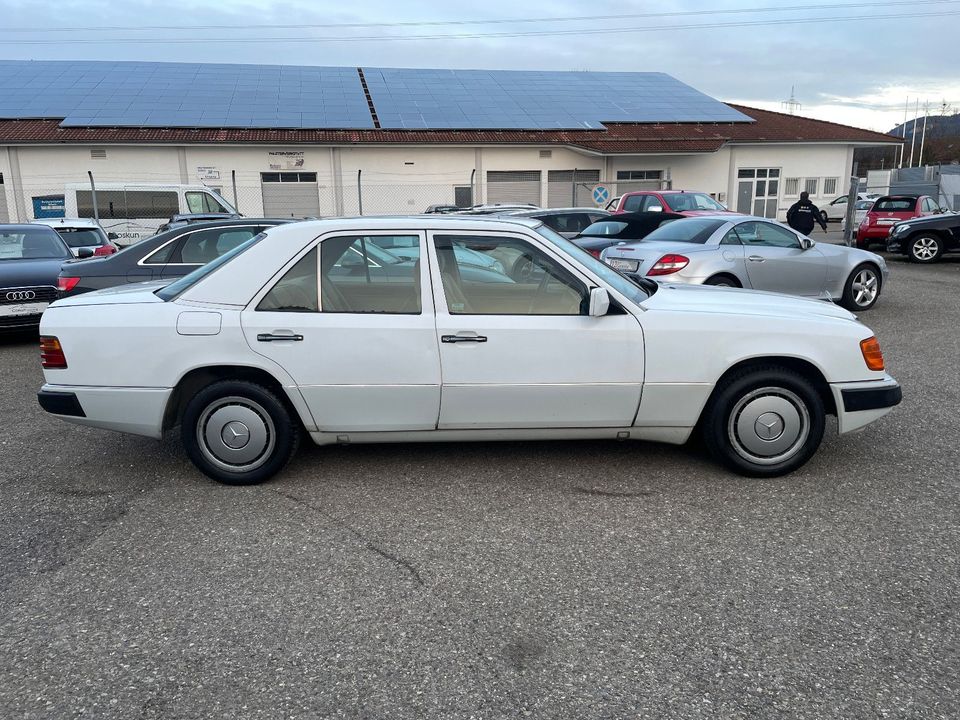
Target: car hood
26,273
946,218
736,301
129,294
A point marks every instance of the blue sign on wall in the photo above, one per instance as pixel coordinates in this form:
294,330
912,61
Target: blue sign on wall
48,206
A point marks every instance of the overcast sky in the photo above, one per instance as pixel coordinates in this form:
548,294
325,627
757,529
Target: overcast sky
857,72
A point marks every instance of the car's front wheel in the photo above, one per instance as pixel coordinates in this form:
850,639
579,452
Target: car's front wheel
238,432
764,422
862,289
925,249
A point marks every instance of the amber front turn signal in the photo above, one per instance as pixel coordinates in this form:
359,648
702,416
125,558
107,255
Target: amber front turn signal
872,355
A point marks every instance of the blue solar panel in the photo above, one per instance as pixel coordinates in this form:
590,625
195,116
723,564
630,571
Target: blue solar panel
142,94
535,100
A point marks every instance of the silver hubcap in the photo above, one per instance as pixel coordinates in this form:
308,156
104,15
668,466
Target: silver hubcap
236,434
768,426
925,248
866,285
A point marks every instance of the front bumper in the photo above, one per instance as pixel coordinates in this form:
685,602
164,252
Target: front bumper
860,403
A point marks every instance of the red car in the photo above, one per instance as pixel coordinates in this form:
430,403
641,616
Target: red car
690,204
887,211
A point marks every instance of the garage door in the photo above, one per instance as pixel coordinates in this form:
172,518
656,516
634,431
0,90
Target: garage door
290,194
560,184
517,186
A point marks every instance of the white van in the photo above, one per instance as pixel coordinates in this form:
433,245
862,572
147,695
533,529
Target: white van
134,211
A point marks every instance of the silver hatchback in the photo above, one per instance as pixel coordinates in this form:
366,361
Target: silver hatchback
756,253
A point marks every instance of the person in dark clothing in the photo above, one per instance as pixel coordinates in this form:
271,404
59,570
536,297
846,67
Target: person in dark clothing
804,215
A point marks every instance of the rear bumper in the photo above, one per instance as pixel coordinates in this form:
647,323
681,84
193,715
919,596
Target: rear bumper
131,410
860,403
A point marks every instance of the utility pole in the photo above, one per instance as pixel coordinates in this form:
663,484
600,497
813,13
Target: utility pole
913,133
903,131
923,137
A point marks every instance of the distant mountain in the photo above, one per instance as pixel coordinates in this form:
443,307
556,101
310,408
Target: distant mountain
937,126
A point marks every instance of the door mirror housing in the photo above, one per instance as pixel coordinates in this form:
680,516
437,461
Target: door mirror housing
599,302
84,253
806,243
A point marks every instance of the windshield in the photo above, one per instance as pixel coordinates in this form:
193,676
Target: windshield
80,237
175,288
618,282
31,244
685,202
688,230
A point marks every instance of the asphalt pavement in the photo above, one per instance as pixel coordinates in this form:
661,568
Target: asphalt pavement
544,580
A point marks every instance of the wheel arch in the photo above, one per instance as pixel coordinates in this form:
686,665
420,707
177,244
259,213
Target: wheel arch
724,274
198,378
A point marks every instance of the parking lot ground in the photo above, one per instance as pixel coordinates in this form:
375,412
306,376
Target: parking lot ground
550,580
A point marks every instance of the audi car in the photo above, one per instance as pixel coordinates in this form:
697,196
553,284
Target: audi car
30,258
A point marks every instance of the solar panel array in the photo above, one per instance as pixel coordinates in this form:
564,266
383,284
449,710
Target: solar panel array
540,100
149,94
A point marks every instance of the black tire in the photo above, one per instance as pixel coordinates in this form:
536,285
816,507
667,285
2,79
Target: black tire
750,392
856,291
925,248
723,280
241,410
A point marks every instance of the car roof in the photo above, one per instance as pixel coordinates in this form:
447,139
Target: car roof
12,227
642,216
67,222
554,211
900,197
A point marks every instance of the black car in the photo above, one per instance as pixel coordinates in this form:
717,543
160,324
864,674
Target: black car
30,259
926,239
178,221
168,255
625,227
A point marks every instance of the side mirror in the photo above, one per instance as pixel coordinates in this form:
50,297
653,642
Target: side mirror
84,253
112,236
806,243
599,302
655,208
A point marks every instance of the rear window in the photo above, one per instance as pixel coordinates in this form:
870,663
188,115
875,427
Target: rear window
688,230
80,237
174,289
894,204
605,227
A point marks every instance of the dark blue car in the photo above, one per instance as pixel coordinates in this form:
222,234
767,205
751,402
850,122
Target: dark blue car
30,260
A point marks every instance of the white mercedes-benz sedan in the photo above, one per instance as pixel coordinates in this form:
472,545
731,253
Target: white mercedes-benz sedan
414,328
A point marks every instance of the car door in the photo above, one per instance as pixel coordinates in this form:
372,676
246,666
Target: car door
198,247
361,343
837,209
522,352
777,262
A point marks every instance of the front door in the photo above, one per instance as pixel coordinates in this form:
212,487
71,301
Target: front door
518,349
362,344
777,262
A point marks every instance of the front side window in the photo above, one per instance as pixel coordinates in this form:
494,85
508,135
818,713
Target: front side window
359,276
634,203
533,284
205,245
761,234
201,202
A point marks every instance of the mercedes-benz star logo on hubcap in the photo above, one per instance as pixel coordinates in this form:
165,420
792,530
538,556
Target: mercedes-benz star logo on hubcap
235,435
769,426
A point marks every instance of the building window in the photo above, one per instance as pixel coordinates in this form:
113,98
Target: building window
288,177
791,187
830,186
639,174
810,185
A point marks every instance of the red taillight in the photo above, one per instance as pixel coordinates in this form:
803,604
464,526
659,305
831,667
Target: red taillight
595,253
51,354
66,284
105,250
668,264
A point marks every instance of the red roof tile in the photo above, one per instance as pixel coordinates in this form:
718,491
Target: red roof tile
770,127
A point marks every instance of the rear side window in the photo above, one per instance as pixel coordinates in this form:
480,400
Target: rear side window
296,291
205,245
174,289
895,204
605,227
359,276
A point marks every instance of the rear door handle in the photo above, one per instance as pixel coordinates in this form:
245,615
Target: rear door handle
272,337
756,258
462,338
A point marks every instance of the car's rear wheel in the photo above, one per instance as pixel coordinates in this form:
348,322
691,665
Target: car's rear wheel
862,289
764,422
723,281
925,249
238,432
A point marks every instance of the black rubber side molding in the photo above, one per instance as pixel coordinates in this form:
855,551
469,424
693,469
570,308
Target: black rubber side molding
60,403
869,399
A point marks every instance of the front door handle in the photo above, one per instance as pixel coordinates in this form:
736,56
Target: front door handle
271,337
756,258
462,338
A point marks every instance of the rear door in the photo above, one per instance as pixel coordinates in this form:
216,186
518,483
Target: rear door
777,262
521,352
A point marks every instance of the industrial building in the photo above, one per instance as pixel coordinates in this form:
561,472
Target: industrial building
313,141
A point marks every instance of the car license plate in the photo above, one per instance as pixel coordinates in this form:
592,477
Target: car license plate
623,265
887,222
30,308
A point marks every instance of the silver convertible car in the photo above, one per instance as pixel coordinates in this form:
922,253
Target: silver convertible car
753,252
